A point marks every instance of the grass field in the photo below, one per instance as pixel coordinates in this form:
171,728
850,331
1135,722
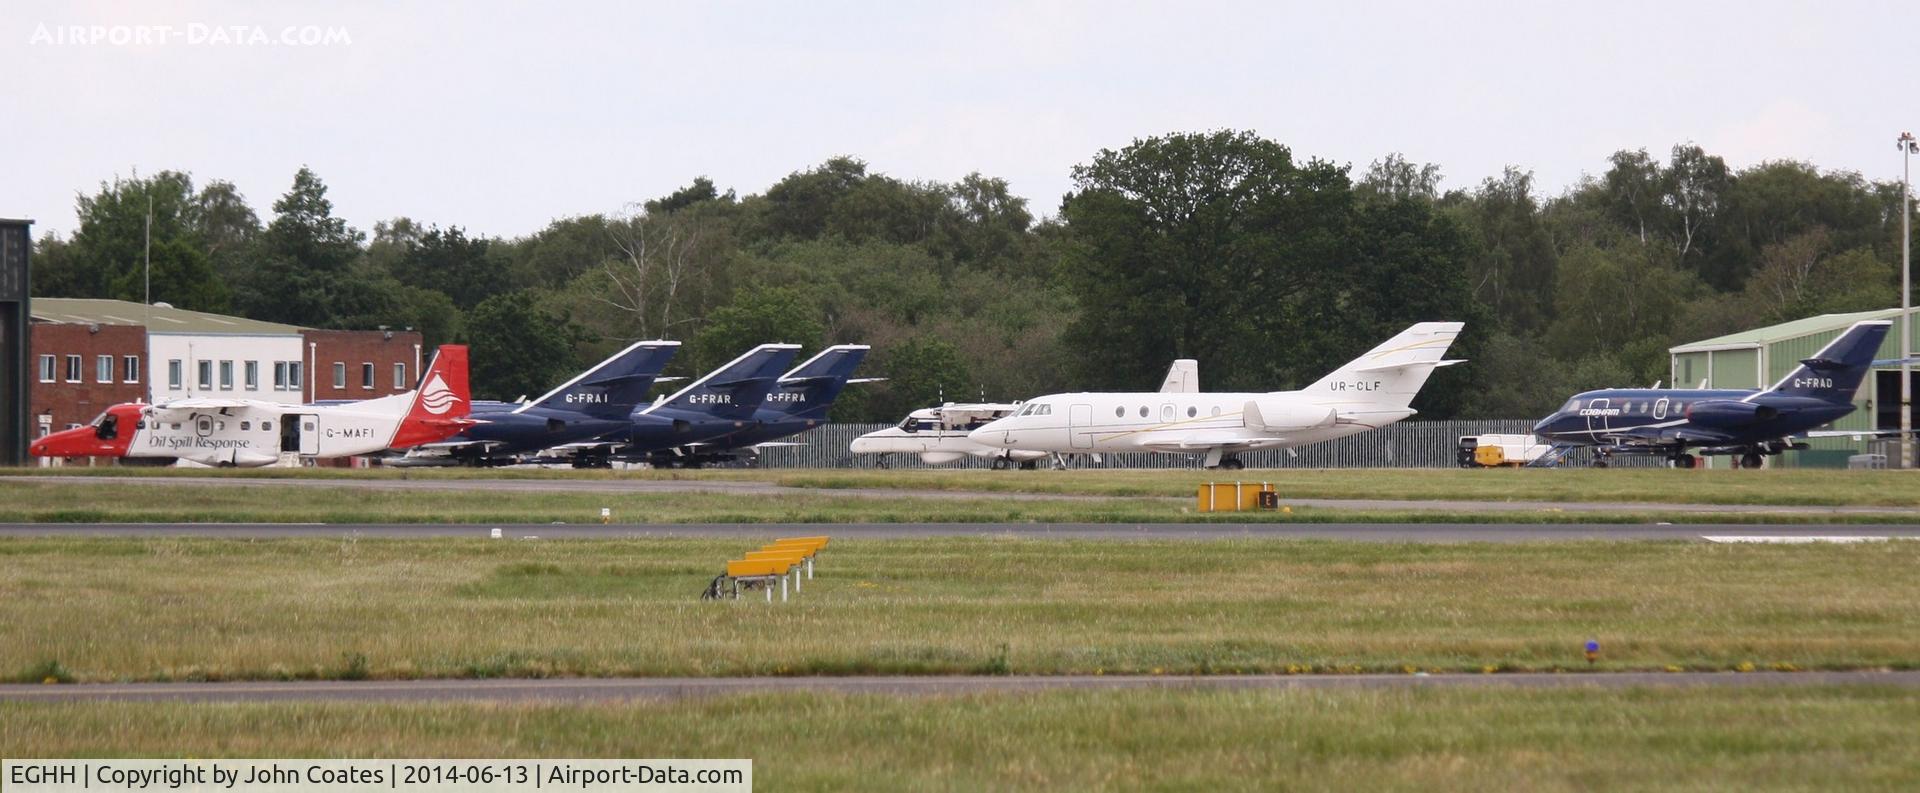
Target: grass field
1775,487
173,609
30,501
1432,740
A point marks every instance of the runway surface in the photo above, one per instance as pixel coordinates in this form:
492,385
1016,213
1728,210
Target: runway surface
1357,532
615,689
755,488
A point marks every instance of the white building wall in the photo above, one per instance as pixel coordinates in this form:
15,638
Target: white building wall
214,349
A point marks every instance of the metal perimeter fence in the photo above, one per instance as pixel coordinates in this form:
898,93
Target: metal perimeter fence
1405,444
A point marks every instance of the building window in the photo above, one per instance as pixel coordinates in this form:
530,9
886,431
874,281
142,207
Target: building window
366,375
173,374
130,369
339,374
103,368
73,368
399,377
46,368
253,375
206,375
279,375
226,375
293,375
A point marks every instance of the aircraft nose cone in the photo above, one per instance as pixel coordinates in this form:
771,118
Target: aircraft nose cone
1545,425
987,436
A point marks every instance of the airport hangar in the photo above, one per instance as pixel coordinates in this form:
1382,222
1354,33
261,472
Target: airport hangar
1758,358
88,354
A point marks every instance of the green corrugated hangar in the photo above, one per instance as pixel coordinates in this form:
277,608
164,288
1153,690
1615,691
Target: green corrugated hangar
1758,358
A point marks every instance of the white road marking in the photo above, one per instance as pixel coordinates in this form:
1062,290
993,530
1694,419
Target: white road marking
1800,539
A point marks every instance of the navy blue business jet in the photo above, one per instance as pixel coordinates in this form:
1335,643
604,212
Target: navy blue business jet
723,401
797,402
595,403
1749,424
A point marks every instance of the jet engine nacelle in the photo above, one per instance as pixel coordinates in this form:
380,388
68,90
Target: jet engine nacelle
1284,416
1729,413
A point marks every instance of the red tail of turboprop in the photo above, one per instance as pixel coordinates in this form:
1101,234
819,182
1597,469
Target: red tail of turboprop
441,403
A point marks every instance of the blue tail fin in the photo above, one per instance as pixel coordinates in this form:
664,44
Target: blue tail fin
735,390
1834,373
811,387
613,387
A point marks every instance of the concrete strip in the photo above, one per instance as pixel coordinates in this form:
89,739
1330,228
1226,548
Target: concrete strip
618,689
1353,532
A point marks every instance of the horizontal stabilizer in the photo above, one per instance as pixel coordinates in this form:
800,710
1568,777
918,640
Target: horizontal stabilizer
1392,366
867,380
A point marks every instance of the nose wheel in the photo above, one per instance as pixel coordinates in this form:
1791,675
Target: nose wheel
1684,461
1750,460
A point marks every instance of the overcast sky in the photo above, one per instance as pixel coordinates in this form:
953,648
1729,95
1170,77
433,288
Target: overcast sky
503,116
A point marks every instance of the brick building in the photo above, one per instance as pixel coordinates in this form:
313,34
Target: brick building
362,364
82,368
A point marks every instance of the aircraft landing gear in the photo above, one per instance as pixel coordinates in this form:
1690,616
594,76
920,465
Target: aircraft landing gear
1231,464
1030,465
1684,460
1750,460
1601,459
1001,463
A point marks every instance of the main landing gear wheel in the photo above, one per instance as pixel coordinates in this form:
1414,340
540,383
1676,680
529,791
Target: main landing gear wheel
1029,465
1685,461
1231,464
1000,464
1750,460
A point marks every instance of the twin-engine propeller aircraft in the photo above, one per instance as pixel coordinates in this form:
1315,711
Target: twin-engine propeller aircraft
1748,423
594,403
1371,392
939,435
248,433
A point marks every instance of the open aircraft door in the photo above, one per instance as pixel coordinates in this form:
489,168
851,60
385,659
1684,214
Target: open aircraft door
309,434
1597,416
1080,426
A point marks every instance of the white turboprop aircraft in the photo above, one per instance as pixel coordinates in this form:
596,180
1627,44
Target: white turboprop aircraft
939,435
1371,392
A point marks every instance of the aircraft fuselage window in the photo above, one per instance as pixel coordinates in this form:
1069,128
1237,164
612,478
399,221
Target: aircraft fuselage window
1119,412
1143,411
1192,411
1216,410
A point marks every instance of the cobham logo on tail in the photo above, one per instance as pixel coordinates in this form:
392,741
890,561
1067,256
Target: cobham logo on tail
439,409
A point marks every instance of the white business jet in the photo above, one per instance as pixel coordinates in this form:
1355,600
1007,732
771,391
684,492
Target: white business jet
1372,391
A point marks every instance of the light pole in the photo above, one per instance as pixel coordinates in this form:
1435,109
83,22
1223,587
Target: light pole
1908,148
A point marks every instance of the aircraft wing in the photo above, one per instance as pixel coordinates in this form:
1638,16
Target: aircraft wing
1850,434
1190,441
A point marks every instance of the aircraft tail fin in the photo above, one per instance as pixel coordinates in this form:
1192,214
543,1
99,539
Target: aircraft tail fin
736,389
811,387
1391,374
1834,373
613,387
438,408
1182,378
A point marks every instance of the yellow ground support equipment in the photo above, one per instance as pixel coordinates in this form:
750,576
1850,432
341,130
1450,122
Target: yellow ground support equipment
1234,496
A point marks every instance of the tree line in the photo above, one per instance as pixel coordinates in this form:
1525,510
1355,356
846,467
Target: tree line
1223,246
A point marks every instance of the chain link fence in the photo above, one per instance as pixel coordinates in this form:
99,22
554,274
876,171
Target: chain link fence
1405,444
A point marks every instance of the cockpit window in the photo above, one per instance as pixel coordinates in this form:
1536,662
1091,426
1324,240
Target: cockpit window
1043,410
1572,405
